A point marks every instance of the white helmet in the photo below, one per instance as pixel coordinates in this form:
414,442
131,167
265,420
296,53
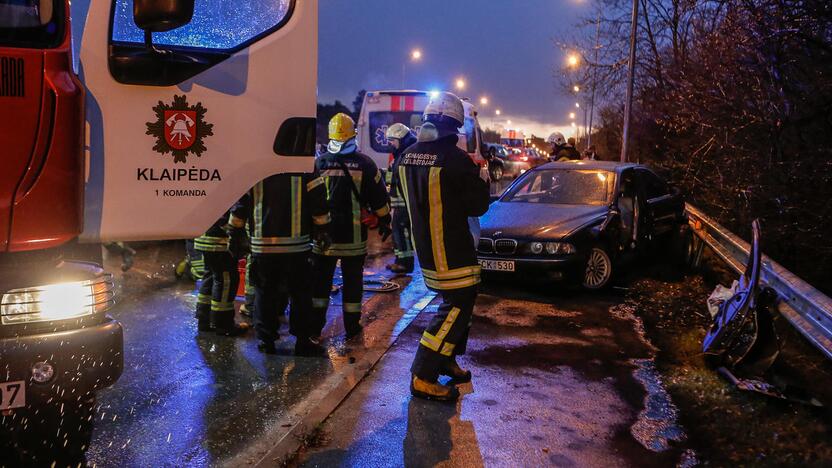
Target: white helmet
556,139
397,131
445,105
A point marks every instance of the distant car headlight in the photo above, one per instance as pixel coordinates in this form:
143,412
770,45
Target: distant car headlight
559,248
60,301
536,247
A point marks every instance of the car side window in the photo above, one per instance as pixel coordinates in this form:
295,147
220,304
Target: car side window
226,25
654,187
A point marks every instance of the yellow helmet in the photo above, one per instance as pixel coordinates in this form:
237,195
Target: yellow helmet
341,127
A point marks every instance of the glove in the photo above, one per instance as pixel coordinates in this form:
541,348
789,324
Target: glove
322,239
238,243
384,228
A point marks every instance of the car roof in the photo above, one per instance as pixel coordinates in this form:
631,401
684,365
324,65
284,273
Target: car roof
614,166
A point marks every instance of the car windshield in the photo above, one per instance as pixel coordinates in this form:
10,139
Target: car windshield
563,187
30,23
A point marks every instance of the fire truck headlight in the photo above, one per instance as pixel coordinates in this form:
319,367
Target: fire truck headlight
57,301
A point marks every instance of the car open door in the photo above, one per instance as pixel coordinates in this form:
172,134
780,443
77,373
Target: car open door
662,204
181,123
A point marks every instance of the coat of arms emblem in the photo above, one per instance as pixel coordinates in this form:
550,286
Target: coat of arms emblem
180,129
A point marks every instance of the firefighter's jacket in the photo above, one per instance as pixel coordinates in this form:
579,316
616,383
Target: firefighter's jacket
443,188
349,235
396,194
281,212
215,238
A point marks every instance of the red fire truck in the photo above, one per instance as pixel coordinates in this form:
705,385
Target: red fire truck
125,120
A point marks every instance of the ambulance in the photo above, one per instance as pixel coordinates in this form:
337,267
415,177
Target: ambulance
382,109
125,120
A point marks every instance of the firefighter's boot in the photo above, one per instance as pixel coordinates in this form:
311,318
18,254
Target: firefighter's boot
224,325
457,374
308,347
432,390
352,325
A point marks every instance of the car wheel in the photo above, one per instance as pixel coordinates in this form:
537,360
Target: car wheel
598,269
496,172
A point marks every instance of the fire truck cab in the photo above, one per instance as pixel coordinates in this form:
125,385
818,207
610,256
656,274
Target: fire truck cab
125,120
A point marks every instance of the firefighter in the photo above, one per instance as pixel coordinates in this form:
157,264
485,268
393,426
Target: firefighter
443,188
400,138
215,303
284,212
353,184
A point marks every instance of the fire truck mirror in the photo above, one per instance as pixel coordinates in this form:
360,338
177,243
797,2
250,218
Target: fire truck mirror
162,15
296,137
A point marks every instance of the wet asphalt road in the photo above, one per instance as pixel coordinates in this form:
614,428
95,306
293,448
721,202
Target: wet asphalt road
561,378
187,399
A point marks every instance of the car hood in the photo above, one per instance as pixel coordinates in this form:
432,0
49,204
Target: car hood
537,220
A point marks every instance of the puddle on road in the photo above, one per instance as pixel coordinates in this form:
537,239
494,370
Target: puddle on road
656,425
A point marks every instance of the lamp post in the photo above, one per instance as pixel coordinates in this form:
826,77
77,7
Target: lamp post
415,56
460,84
628,104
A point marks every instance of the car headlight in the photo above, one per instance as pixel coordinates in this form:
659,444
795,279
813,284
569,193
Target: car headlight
559,248
536,247
60,301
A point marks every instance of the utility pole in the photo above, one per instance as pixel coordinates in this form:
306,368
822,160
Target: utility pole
628,104
594,79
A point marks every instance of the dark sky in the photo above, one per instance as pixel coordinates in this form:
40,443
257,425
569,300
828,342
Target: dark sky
503,48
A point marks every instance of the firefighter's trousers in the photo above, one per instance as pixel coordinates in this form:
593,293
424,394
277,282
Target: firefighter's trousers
278,279
447,334
352,272
402,243
218,290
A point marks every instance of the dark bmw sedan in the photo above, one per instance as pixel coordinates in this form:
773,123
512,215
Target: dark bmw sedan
577,220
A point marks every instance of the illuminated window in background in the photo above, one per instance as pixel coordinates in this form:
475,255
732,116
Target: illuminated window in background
216,24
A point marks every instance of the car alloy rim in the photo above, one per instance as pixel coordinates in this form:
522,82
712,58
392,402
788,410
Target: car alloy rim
597,269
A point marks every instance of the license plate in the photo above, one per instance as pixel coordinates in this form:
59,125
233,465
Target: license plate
497,265
12,395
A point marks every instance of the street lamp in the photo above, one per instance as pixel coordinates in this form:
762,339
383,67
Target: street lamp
484,101
578,105
572,115
573,60
460,84
576,88
498,112
415,56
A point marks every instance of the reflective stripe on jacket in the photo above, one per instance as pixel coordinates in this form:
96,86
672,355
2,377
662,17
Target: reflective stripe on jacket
349,235
281,211
442,187
215,238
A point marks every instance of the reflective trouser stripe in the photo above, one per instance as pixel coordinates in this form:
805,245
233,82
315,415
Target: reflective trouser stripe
342,250
352,307
320,302
435,342
249,287
452,284
314,183
403,253
203,299
447,349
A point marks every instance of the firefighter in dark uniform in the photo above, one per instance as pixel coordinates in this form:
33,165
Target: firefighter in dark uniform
443,188
215,301
400,138
284,212
353,182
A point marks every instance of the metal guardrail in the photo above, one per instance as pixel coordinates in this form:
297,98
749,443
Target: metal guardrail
806,308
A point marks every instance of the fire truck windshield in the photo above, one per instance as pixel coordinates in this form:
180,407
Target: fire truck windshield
30,23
